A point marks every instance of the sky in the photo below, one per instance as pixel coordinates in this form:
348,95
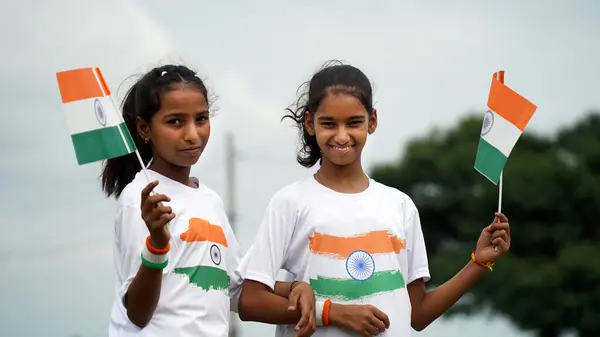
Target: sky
431,63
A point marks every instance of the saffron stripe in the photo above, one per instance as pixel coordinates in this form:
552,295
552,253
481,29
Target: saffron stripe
350,289
375,242
201,230
78,84
509,104
206,277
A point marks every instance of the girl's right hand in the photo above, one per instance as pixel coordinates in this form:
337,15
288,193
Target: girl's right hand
366,320
156,216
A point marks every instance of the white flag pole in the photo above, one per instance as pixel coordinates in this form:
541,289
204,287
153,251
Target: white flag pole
137,153
501,79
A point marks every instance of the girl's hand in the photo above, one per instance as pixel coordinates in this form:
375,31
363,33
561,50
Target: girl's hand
365,320
495,235
156,216
303,296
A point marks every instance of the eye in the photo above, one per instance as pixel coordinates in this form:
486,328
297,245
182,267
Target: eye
202,119
356,123
327,124
175,121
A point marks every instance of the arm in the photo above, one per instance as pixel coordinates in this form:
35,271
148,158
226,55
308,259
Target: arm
141,292
428,306
260,300
258,303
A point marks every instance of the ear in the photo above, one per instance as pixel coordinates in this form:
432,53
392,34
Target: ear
373,122
309,124
143,129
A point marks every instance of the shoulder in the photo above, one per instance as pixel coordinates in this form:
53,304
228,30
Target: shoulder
292,194
399,198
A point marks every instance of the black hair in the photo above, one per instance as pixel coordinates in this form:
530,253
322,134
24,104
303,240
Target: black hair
143,100
334,77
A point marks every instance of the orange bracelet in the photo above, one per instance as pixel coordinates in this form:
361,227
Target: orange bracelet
325,314
155,250
485,265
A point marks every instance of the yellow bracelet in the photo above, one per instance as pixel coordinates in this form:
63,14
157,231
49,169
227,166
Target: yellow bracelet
486,265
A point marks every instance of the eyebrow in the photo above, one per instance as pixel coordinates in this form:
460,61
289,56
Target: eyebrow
183,114
355,117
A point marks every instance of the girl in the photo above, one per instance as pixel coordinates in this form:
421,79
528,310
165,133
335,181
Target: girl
357,242
189,288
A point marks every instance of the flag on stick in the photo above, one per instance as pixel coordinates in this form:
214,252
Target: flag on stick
506,117
98,131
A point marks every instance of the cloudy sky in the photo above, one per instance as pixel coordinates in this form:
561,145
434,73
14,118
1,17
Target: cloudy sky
431,62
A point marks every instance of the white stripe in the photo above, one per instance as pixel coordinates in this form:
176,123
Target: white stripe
199,254
319,305
153,257
81,115
336,268
115,108
503,135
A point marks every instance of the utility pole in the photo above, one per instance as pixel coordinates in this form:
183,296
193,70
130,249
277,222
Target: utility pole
230,159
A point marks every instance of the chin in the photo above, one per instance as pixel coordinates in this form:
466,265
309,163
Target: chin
342,161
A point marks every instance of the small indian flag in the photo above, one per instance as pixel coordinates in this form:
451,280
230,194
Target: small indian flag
506,117
97,130
205,271
351,268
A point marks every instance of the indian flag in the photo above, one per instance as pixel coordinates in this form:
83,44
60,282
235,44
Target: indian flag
211,273
97,129
355,267
506,117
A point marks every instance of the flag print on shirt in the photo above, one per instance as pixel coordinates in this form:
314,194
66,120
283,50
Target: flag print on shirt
351,268
211,274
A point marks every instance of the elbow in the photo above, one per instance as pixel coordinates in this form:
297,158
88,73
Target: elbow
138,320
419,324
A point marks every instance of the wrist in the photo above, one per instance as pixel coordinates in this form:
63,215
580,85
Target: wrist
158,243
335,314
476,260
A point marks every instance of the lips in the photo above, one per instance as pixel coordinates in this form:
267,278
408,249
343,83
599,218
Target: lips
342,149
192,150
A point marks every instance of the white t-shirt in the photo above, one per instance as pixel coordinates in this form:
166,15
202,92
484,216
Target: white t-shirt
361,248
199,286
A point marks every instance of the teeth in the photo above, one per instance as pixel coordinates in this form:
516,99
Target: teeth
342,149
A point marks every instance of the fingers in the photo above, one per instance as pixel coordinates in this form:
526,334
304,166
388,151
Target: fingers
503,246
293,300
500,217
308,323
500,234
381,316
146,191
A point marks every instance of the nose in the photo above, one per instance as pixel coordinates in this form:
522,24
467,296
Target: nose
342,136
191,133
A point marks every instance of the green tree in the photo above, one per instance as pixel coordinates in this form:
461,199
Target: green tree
548,282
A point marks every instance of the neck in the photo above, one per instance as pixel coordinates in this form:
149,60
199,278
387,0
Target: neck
345,179
177,173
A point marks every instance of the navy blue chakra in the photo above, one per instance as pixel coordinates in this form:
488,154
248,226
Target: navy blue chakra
215,254
360,265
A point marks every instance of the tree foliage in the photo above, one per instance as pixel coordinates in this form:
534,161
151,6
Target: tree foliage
549,282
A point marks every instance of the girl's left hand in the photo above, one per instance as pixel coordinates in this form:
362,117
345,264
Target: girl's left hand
302,296
495,235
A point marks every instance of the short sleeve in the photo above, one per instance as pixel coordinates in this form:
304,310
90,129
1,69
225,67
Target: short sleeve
267,254
418,266
234,256
130,235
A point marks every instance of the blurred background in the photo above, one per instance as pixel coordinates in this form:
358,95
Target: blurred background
431,63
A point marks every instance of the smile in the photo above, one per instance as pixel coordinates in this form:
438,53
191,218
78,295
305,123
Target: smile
344,149
194,150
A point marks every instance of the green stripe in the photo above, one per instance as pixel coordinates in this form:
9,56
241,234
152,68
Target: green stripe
101,144
489,161
206,277
350,289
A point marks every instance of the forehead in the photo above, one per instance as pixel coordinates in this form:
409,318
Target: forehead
183,98
340,106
